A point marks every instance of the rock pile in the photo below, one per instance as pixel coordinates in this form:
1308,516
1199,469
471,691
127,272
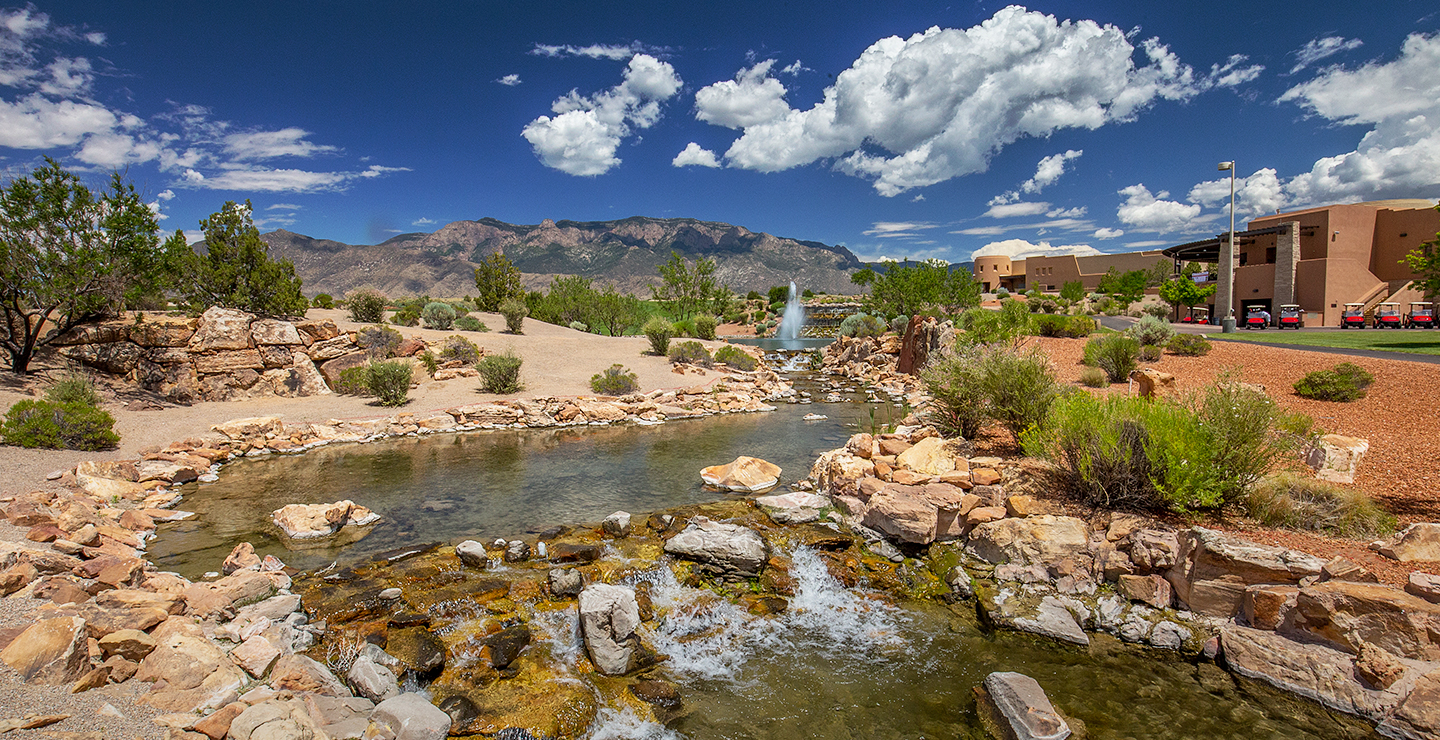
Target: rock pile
224,354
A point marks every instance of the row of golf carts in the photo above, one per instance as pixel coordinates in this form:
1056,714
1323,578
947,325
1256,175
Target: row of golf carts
1387,316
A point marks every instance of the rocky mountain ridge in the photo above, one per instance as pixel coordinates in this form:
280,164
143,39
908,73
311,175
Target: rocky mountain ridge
623,253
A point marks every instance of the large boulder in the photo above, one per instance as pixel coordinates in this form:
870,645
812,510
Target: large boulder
743,474
1212,569
222,329
609,616
311,521
163,331
1317,672
277,719
729,549
274,331
300,673
1036,540
1348,615
932,456
52,651
190,673
1419,541
409,717
1419,715
301,379
217,598
1335,457
1014,706
796,507
903,512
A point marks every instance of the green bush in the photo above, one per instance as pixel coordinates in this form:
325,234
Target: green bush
1189,345
691,353
981,383
1160,311
456,347
1301,502
438,315
860,325
470,323
736,358
407,316
705,327
379,341
500,373
354,381
514,310
323,300
1249,434
1070,327
1150,353
389,381
1150,330
579,326
1094,377
899,324
73,388
1116,354
659,332
432,363
1345,382
367,305
615,381
59,426
986,326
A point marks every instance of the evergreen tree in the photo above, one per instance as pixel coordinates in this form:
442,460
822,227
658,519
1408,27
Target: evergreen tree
236,270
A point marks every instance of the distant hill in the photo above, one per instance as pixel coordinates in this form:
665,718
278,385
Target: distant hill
622,253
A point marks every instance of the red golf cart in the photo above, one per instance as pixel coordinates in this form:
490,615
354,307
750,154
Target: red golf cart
1387,316
1353,317
1291,317
1256,317
1421,316
1197,315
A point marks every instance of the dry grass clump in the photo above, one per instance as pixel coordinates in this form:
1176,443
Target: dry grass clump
1293,501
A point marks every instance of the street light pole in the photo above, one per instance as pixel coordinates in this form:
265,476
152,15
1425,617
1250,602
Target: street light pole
1227,257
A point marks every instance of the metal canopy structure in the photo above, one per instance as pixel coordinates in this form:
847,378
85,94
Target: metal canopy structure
1208,250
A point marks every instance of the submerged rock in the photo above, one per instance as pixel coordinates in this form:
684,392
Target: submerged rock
744,474
1015,707
728,548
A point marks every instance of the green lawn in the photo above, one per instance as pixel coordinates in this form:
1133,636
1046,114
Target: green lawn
1414,341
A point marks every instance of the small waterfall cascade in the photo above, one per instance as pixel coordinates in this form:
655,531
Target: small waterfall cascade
794,318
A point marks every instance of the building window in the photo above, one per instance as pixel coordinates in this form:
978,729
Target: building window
1270,255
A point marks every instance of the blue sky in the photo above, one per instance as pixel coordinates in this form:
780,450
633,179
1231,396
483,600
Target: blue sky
911,129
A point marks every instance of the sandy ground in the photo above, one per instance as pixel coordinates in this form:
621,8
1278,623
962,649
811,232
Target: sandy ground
558,361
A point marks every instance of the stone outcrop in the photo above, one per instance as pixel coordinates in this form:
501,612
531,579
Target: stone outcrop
743,475
1335,457
1032,540
224,354
1419,541
52,651
1213,569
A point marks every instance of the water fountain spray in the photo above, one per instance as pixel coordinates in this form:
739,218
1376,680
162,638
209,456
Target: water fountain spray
794,319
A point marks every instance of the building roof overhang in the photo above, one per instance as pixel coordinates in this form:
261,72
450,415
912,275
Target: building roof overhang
1208,250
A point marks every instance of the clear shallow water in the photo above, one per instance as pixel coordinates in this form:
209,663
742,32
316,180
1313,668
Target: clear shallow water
484,485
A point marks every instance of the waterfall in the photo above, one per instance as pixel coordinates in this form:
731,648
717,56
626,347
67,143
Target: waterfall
794,318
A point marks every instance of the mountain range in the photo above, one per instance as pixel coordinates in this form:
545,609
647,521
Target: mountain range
624,253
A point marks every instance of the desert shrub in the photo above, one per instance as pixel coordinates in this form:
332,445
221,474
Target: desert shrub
705,327
438,315
1094,377
981,383
1150,353
1107,306
691,353
323,300
1150,330
470,323
514,310
1249,434
579,326
353,381
1297,501
389,381
1002,293
1345,382
456,347
407,316
899,324
1043,304
1158,310
861,325
379,341
735,358
986,327
431,362
500,373
73,388
59,426
367,305
1070,327
659,332
1116,354
615,381
1188,345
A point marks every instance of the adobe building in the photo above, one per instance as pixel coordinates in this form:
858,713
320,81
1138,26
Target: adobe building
1321,258
1048,273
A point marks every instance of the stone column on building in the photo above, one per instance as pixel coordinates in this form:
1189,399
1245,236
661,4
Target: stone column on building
1287,256
1225,290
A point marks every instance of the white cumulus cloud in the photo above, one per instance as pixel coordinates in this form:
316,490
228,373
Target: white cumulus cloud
1316,49
752,98
510,80
1011,210
1144,211
594,51
581,139
917,111
1259,194
695,155
1020,249
1109,233
287,142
